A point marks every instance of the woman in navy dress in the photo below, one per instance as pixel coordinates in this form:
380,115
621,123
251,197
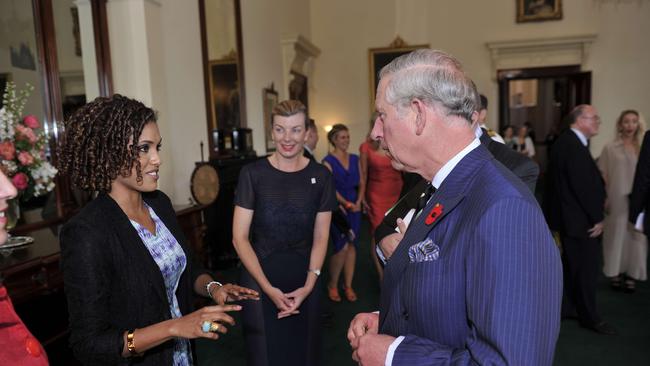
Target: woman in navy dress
350,190
285,201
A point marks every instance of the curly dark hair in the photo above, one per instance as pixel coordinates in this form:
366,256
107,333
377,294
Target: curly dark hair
95,146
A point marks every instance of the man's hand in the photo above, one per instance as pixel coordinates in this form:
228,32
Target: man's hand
363,323
595,231
390,242
371,349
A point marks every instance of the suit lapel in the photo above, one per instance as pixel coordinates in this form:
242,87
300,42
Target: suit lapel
449,195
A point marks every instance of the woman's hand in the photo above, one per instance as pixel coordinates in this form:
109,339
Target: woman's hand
357,206
280,299
365,206
298,296
230,292
189,326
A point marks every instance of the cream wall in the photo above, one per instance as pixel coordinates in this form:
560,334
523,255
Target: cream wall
345,30
264,25
620,61
156,53
16,27
156,58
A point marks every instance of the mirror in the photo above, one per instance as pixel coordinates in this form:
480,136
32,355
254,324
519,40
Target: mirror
52,45
223,65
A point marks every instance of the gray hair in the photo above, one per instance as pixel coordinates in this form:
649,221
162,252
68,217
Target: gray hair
434,77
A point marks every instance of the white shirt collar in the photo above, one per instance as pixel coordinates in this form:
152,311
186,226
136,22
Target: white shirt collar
451,164
581,136
479,131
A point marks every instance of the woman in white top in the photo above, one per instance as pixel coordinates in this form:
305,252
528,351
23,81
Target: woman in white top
625,250
523,142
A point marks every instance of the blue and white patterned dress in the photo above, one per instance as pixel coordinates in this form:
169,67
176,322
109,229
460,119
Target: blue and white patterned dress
170,258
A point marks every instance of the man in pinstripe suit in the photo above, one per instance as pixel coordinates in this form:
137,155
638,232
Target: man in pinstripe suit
476,278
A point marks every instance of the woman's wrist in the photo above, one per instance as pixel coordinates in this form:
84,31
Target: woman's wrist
172,327
212,288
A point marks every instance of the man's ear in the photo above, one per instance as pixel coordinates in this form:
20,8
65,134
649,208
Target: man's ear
475,116
420,109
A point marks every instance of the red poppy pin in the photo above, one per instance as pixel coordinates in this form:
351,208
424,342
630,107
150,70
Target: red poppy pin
436,211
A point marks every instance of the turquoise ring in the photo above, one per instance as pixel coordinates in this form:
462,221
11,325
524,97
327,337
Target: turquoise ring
207,326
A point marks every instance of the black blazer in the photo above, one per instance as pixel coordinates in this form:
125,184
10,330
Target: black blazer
575,198
520,165
640,196
308,155
113,284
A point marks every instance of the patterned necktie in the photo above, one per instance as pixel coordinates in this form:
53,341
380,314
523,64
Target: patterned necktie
424,197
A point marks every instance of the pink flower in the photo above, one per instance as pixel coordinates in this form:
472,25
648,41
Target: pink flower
25,158
26,133
7,150
20,181
31,121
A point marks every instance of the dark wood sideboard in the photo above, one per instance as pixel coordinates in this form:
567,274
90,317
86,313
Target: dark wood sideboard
34,281
218,215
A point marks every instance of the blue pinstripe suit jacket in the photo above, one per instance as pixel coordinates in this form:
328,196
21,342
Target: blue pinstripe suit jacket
493,295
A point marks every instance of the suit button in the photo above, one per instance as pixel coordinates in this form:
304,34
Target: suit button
405,315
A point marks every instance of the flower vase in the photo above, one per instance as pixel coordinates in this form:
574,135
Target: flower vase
12,213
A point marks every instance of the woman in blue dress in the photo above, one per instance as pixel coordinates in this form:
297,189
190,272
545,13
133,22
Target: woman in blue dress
350,190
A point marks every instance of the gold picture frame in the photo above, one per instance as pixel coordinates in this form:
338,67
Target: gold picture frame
224,94
380,57
538,10
269,100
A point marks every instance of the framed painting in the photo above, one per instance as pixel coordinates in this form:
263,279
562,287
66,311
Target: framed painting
380,57
224,94
538,10
269,100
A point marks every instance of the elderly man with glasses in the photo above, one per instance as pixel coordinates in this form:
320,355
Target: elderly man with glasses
575,203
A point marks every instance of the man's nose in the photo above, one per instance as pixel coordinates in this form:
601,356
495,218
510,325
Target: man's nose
377,130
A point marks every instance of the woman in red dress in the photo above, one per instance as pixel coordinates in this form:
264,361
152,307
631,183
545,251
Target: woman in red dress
383,185
17,344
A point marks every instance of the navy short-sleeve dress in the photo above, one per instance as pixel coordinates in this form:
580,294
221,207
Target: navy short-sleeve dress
285,206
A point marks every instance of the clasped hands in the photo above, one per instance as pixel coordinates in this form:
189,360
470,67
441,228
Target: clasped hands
369,348
288,303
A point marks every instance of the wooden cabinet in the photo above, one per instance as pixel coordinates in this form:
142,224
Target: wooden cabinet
218,216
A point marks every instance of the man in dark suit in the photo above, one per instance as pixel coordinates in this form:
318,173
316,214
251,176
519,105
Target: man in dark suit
461,287
640,196
520,165
575,204
312,140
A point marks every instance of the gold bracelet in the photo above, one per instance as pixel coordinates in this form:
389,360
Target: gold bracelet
130,342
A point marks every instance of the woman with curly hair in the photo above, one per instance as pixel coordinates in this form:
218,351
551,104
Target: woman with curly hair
128,272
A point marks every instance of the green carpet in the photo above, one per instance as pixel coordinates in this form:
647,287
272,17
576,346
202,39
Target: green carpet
629,313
